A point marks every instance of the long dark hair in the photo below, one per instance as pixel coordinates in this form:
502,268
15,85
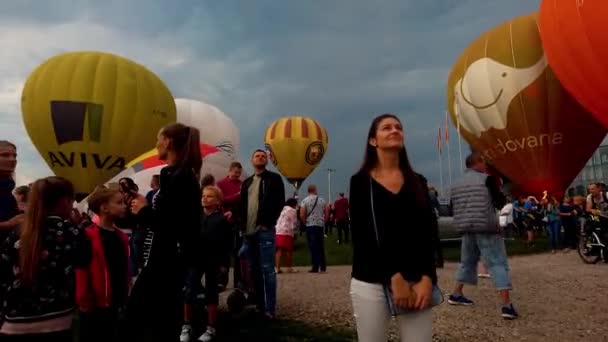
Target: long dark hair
185,142
44,195
131,186
207,180
413,181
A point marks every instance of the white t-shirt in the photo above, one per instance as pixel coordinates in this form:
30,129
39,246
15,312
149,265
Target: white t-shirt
316,216
600,204
506,215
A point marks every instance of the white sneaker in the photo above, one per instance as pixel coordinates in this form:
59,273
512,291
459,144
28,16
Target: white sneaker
186,333
208,336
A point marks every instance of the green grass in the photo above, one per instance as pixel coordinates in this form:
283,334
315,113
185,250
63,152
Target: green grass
251,327
334,253
342,254
451,251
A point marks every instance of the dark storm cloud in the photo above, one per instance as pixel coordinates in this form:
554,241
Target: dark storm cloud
341,62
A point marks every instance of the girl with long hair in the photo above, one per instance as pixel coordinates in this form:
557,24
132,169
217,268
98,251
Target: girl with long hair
37,265
155,306
393,239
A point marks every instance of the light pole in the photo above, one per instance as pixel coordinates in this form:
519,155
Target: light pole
329,172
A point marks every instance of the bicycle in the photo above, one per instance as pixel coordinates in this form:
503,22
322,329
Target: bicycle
593,240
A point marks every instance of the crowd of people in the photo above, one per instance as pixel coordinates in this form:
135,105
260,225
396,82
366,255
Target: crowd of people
561,219
133,266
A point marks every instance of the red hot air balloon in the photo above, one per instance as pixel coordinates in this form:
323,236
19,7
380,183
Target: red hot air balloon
573,34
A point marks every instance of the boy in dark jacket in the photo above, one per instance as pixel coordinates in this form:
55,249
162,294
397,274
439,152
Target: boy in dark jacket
215,241
102,288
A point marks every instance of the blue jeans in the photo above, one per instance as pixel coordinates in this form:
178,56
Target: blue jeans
554,228
259,249
491,247
316,245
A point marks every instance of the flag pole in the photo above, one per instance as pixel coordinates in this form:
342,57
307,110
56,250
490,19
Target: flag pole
447,142
440,162
457,114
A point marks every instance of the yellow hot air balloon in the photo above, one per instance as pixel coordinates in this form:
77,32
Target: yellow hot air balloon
296,146
88,113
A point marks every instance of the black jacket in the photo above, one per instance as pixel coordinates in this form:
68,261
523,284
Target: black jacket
408,245
271,200
215,238
155,302
174,216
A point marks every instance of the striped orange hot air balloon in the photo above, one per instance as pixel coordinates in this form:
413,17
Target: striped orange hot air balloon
296,146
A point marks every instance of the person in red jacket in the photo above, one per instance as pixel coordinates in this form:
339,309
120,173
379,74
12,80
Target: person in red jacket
102,288
342,218
231,192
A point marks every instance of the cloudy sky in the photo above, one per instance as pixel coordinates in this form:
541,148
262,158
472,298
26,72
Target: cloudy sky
341,62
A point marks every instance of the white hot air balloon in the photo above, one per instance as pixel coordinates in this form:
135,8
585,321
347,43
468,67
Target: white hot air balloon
217,130
219,144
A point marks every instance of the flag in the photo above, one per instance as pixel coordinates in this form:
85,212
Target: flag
439,139
447,125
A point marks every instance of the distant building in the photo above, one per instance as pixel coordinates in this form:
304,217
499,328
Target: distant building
595,171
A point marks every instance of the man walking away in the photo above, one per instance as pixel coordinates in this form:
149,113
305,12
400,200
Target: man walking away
476,218
262,200
342,220
314,212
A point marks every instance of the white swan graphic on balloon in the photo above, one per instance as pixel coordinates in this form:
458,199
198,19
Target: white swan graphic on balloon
484,93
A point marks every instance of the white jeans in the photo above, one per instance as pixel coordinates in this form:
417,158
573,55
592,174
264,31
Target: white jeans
373,317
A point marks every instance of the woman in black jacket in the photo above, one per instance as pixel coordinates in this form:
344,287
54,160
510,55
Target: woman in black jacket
400,253
155,307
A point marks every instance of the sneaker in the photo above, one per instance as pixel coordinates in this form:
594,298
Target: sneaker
208,336
186,333
509,313
483,275
459,300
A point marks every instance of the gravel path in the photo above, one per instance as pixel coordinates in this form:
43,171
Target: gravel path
558,298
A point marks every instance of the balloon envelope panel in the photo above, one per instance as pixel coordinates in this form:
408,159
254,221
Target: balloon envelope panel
509,105
573,35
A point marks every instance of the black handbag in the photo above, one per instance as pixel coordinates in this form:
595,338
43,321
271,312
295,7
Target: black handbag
436,295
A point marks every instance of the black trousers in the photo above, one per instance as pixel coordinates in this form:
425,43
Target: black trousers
343,230
155,307
236,261
570,229
316,245
61,336
328,228
100,325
